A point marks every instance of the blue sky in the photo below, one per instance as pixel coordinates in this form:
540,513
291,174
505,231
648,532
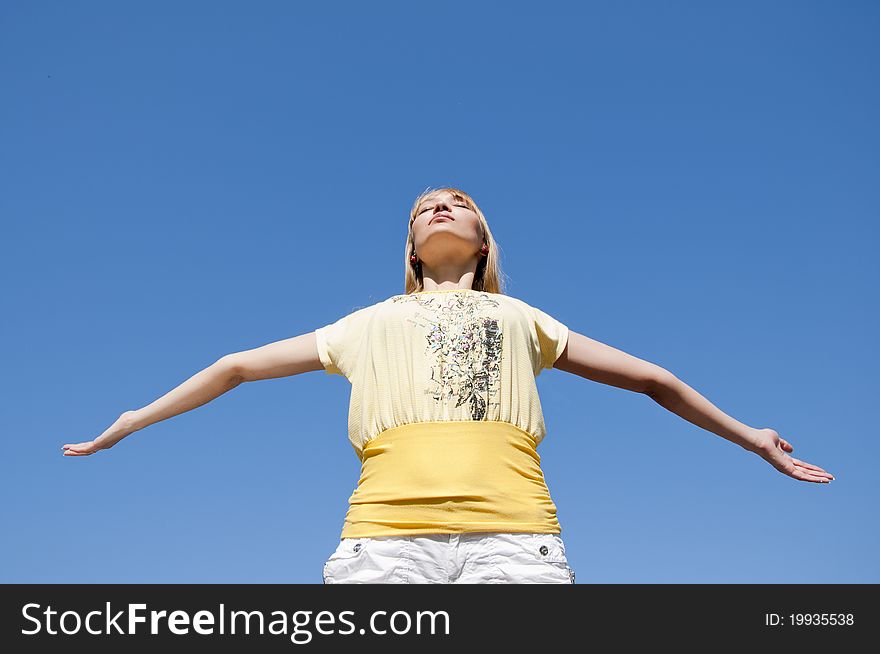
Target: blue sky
693,183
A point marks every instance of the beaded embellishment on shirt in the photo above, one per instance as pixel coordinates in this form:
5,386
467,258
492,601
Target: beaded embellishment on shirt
463,343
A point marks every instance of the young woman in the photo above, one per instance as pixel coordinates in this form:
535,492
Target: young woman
445,416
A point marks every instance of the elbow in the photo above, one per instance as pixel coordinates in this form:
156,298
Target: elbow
232,369
659,383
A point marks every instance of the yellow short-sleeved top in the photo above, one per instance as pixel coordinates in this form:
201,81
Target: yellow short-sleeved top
444,411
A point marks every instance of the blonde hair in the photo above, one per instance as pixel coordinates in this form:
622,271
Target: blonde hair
488,276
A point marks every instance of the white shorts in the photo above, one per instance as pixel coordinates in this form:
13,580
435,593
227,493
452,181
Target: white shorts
466,558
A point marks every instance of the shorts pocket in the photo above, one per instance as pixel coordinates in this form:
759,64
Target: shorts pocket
551,549
378,560
344,558
532,558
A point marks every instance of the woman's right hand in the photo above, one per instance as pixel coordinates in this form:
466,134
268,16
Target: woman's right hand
112,435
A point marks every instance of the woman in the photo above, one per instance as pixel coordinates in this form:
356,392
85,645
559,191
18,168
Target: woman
445,416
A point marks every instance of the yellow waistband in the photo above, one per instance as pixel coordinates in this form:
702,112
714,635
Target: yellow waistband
450,477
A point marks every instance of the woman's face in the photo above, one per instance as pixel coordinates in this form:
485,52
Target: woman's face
446,230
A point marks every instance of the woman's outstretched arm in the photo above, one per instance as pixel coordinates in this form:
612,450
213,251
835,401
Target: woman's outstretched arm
284,358
599,362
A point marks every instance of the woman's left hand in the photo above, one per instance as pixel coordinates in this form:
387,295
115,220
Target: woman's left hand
773,449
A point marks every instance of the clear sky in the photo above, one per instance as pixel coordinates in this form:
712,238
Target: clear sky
693,183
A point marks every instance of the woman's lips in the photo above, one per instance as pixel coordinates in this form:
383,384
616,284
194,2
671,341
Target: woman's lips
436,218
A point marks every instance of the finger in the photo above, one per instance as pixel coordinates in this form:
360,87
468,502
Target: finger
788,447
815,471
84,448
804,464
803,475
